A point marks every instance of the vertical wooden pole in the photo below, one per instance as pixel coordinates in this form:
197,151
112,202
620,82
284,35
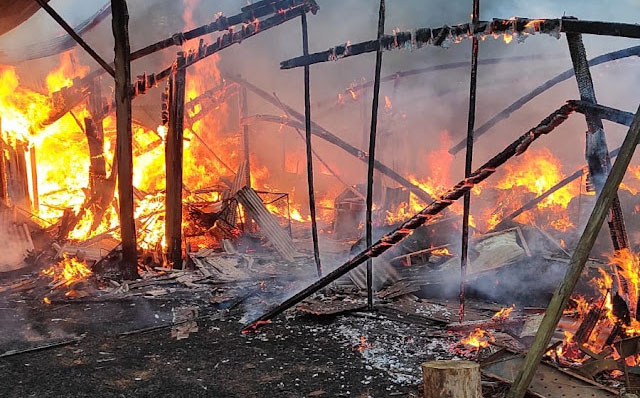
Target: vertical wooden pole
307,125
124,152
244,112
576,264
372,150
475,16
173,153
4,196
34,179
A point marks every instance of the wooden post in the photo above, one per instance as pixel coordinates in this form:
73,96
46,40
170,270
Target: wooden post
120,23
34,179
578,259
372,154
451,379
475,16
244,112
307,125
4,196
596,150
173,153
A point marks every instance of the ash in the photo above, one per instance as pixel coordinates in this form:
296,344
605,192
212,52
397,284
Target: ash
393,348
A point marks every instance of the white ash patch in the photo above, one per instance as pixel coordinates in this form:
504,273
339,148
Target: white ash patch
394,348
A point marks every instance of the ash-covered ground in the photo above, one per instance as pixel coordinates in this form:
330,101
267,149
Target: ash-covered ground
357,355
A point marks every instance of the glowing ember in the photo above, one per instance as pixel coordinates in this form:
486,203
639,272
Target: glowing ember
363,344
46,300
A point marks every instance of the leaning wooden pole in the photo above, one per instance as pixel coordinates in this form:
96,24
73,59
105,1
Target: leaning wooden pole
394,237
244,112
307,129
475,16
578,259
124,151
173,155
372,155
596,150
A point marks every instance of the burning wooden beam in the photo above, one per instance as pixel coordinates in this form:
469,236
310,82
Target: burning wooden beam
389,240
578,260
72,96
173,164
124,151
446,35
506,112
601,111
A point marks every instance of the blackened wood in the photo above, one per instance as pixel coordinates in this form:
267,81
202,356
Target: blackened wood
4,195
520,102
34,179
586,327
326,135
174,163
389,240
446,35
576,265
372,154
471,120
76,37
247,15
124,153
596,150
309,148
603,112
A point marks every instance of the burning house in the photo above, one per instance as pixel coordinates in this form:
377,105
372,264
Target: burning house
196,201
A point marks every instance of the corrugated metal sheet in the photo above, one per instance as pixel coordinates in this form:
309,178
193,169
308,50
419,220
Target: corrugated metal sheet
267,222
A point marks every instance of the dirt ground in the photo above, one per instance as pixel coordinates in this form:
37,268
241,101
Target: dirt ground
296,356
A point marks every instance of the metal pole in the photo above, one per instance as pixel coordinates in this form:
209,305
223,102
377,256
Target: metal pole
469,158
372,150
307,126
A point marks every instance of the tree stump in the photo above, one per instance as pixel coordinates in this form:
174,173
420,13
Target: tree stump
451,379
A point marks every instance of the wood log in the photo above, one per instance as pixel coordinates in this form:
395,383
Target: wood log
451,379
124,151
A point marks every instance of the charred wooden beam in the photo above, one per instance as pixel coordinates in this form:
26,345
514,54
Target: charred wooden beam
389,240
248,15
471,120
447,35
173,154
596,150
124,151
320,132
601,111
4,186
76,94
228,39
372,156
576,265
108,68
309,148
506,112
